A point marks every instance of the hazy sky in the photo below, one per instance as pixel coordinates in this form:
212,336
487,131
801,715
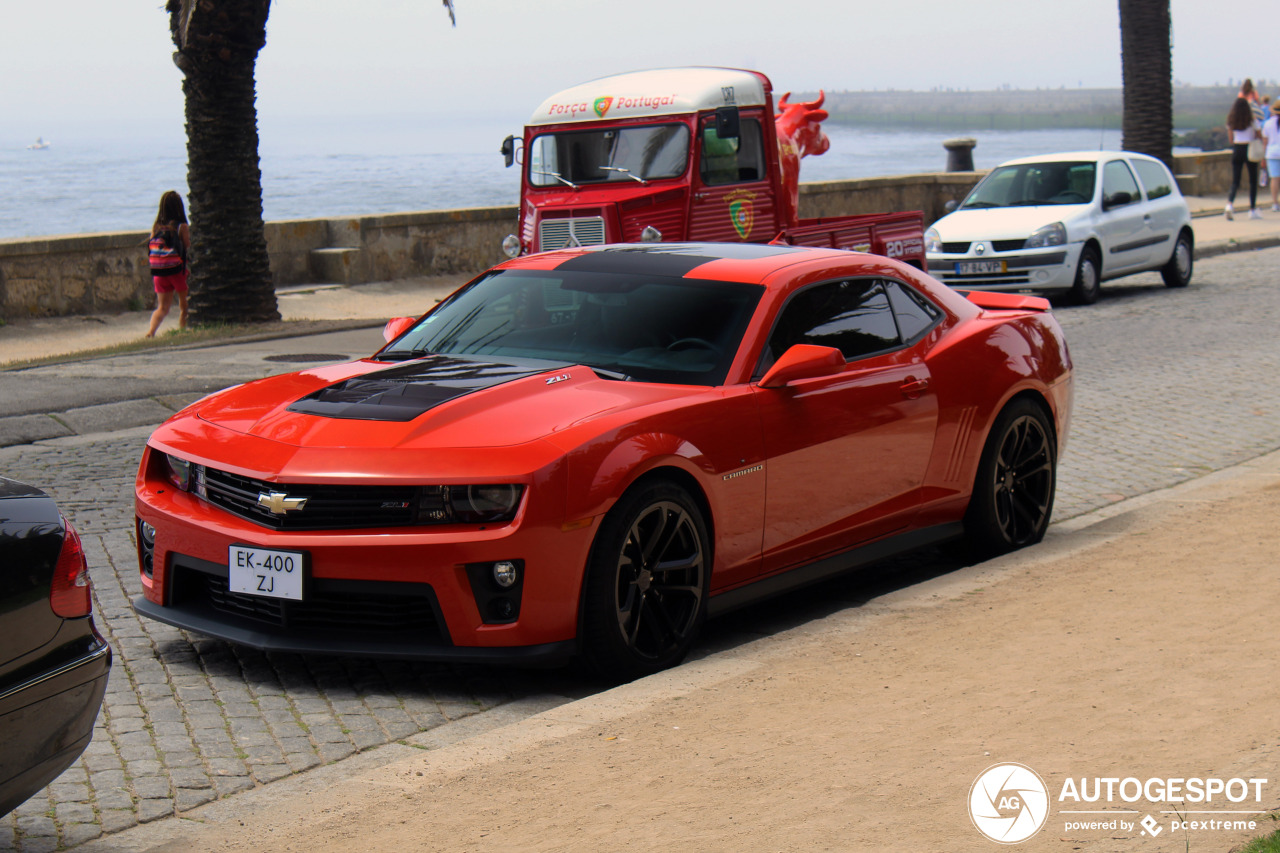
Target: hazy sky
109,61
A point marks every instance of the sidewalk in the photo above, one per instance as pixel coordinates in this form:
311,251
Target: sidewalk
1120,647
337,306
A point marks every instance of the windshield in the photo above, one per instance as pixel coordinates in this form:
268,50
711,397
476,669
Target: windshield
1034,184
639,153
642,327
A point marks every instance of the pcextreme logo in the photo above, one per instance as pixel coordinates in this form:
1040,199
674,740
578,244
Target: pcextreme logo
1008,803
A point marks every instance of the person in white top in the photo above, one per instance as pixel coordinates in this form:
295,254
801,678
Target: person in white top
1271,132
1242,128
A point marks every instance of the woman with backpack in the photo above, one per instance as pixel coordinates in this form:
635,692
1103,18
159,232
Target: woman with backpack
167,249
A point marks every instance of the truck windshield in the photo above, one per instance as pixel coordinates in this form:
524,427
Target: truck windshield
639,153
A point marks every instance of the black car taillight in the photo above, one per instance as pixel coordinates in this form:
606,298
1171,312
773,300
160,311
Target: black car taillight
69,592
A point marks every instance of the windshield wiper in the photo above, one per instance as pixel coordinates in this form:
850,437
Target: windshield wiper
559,177
626,172
972,204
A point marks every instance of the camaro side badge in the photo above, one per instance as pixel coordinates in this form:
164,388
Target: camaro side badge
745,471
278,503
561,378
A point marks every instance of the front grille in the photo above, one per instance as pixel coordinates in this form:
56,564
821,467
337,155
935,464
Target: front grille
369,613
328,507
559,233
955,248
367,610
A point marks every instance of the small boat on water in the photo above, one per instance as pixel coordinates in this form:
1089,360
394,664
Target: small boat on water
38,145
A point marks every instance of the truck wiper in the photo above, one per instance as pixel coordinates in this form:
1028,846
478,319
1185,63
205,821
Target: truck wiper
559,177
626,172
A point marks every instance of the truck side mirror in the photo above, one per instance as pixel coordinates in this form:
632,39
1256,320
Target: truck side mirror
508,150
727,124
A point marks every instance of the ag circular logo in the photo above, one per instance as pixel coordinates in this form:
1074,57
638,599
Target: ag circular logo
1008,803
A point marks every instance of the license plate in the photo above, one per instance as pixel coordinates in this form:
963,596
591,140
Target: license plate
979,267
264,571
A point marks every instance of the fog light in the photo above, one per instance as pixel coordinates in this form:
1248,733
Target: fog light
504,610
1042,275
511,246
505,574
148,534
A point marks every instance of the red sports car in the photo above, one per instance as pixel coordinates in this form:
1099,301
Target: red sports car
588,451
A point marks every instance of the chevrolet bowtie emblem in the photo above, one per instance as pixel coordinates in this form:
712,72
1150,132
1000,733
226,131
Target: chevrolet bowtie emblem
278,503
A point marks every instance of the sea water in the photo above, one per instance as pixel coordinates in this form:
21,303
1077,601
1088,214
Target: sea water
93,179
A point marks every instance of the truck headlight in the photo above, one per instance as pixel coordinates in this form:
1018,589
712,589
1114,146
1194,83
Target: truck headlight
511,246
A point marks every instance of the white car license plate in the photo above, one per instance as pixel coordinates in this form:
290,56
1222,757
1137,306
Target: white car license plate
264,571
979,267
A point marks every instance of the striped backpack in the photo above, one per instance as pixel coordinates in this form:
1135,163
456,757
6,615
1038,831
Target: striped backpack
165,253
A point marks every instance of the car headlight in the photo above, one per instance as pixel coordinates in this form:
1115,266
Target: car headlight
932,242
179,471
1050,235
485,503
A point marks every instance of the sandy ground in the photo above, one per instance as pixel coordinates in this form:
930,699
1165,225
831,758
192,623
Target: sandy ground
1138,642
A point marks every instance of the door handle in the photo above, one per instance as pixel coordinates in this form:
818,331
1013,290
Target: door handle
912,387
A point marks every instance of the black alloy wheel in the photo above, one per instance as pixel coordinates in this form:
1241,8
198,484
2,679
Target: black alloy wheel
1017,475
646,583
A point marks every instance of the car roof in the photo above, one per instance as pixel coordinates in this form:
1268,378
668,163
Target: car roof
741,262
1073,156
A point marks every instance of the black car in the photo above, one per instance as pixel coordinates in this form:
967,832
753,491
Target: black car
53,661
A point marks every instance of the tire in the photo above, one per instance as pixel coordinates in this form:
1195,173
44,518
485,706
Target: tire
1177,272
646,586
1088,283
1014,488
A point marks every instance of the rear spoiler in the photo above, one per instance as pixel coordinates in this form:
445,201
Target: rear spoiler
1006,301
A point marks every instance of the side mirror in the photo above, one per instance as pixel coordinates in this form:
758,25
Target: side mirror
803,361
950,206
508,150
397,327
1116,200
727,124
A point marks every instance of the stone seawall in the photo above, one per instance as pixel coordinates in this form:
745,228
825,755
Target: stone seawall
102,273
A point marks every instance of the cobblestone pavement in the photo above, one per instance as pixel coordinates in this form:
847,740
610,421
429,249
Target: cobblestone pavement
1171,384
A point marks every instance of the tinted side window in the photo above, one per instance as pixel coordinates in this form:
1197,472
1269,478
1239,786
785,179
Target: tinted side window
1155,177
916,315
1117,179
852,316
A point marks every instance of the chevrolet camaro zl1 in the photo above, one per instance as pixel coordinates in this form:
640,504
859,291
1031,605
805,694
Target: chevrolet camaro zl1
587,452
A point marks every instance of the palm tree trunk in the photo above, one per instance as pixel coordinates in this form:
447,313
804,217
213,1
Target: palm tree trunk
1147,71
230,272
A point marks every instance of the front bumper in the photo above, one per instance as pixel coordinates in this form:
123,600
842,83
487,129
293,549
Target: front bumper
1052,268
413,592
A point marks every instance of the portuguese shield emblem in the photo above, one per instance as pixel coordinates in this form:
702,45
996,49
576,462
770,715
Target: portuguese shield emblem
743,215
601,106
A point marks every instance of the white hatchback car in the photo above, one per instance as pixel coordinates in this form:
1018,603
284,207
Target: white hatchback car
1065,222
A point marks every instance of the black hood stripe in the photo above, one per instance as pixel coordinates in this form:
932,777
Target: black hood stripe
404,392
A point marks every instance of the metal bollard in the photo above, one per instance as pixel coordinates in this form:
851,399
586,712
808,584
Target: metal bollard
960,153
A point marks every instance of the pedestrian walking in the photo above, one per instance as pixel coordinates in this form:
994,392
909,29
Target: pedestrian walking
1271,133
167,249
1242,129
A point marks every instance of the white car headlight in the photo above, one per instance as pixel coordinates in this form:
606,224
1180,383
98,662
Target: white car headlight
1049,235
932,242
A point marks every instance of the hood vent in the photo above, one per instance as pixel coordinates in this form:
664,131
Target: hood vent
404,392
